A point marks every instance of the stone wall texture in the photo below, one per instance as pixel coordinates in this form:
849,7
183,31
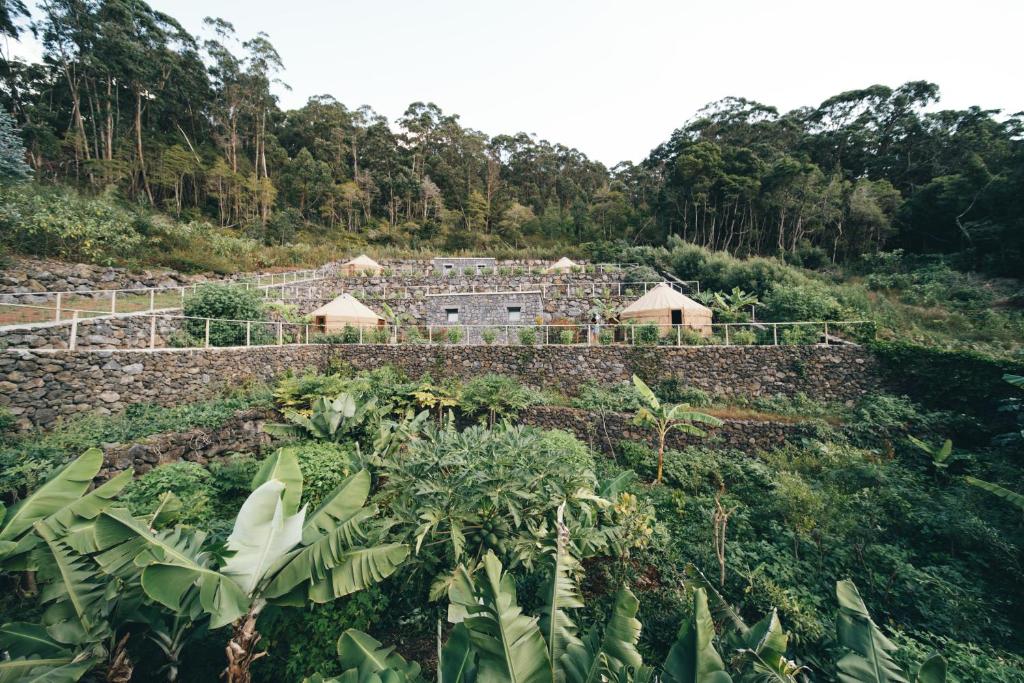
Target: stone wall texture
243,433
126,331
603,431
40,387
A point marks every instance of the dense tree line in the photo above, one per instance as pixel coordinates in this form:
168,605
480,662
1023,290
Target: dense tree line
126,97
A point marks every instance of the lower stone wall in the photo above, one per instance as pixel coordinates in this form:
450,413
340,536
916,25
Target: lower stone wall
40,387
603,431
243,433
127,331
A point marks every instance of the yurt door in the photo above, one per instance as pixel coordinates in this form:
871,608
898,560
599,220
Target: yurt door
677,317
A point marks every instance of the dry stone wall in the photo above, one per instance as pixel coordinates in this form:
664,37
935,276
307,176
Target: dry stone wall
46,275
41,387
603,431
127,331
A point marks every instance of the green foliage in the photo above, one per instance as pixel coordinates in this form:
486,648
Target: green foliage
190,482
329,419
493,397
12,152
227,303
527,336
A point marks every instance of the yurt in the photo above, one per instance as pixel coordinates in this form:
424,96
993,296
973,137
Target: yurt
344,310
665,306
361,265
563,265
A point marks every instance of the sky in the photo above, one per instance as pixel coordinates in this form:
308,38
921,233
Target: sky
614,78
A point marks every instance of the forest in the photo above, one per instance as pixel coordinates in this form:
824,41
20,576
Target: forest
127,105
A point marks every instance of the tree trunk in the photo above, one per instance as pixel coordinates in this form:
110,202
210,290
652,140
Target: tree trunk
138,145
241,649
121,665
661,455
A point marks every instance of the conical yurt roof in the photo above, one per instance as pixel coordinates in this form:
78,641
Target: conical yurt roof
363,261
563,264
347,308
663,298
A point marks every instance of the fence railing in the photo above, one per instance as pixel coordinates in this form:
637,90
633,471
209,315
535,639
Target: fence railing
592,289
169,330
428,269
38,307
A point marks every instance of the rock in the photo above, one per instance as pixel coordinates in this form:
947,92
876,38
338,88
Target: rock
110,397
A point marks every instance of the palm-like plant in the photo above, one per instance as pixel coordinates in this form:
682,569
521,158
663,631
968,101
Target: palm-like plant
48,535
942,456
664,418
278,554
493,396
330,419
435,396
734,301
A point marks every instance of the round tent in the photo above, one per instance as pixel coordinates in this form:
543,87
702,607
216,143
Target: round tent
665,306
344,311
563,265
360,265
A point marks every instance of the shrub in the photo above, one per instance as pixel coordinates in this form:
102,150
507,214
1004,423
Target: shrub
230,303
494,397
797,335
645,335
469,271
566,336
804,302
691,337
454,335
605,337
527,336
7,420
380,335
673,391
743,337
189,481
488,335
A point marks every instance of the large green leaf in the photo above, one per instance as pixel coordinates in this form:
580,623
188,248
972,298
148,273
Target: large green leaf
338,506
356,570
765,650
22,639
173,563
693,658
1012,497
932,671
62,489
508,643
869,659
646,393
262,536
1015,380
283,465
367,656
613,654
457,661
51,670
557,626
74,594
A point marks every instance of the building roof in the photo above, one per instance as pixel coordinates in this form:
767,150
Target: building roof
563,264
347,309
662,298
363,261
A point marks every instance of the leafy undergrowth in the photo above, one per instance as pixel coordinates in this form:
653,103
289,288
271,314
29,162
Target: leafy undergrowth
26,458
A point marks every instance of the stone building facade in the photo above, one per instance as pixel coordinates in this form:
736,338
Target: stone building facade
495,309
456,265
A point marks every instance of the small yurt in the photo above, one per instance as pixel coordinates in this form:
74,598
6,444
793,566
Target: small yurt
563,265
344,310
665,306
361,265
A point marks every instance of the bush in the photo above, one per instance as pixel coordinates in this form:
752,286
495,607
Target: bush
454,335
566,336
230,303
7,420
380,335
494,397
645,335
189,481
806,302
691,337
743,337
488,335
605,337
799,335
527,336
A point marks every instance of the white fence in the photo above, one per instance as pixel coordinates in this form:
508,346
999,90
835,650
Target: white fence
169,330
35,307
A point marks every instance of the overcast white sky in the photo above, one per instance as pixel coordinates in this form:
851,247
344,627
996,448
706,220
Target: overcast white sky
614,78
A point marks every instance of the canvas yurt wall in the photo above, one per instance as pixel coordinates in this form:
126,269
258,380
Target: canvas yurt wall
360,265
665,306
344,311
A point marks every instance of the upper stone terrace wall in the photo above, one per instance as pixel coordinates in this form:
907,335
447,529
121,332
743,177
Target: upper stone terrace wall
46,275
39,387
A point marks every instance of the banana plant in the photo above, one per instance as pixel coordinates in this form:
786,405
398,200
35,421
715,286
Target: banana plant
664,418
869,657
1011,497
330,419
942,456
276,554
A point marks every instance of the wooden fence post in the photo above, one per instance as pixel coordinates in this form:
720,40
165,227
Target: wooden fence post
152,331
206,340
73,338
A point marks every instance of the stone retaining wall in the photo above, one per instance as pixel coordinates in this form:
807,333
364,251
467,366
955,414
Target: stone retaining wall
39,387
125,331
243,433
603,432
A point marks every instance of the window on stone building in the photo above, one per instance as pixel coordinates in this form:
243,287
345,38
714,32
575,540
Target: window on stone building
479,268
515,314
452,314
448,267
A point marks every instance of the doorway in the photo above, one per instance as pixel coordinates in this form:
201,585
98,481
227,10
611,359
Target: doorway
677,317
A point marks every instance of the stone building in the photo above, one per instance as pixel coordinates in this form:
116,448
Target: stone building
495,310
456,265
